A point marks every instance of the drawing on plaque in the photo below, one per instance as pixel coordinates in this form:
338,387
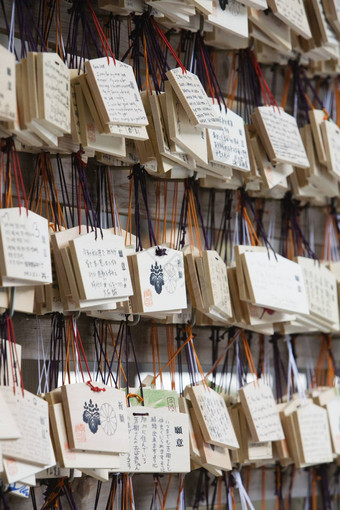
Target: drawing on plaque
235,8
161,282
108,419
171,404
91,416
170,278
157,277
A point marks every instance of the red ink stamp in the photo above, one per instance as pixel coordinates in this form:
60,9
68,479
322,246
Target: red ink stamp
69,454
148,301
91,133
12,466
80,433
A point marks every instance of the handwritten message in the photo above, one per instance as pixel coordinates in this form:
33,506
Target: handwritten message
314,433
228,145
25,247
115,88
218,290
279,129
194,99
159,441
8,427
293,13
275,283
321,287
54,95
8,102
102,264
31,415
333,410
213,417
261,412
331,138
190,138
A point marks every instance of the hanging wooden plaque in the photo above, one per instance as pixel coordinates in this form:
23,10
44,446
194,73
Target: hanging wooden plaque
95,420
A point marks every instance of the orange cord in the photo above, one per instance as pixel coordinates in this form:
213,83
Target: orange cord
249,355
263,502
288,77
129,217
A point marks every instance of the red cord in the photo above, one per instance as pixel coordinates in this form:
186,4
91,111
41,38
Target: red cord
77,347
79,343
168,45
14,163
101,34
207,74
10,352
21,180
11,339
267,94
84,356
95,388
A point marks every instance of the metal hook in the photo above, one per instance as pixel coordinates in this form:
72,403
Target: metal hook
71,477
135,321
201,29
10,311
238,467
77,315
192,321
